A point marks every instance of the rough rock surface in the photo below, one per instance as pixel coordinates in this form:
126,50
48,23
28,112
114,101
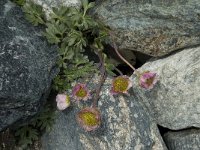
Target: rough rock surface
48,4
150,26
126,125
175,100
27,66
183,140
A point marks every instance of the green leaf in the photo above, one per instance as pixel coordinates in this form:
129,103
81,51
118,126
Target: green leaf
91,4
85,4
109,65
75,38
34,13
71,41
19,2
89,22
59,14
25,135
54,32
73,30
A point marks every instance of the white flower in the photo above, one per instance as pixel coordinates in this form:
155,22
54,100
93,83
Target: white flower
63,101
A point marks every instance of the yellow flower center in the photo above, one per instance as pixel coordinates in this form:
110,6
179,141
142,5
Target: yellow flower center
149,81
67,99
120,84
81,93
89,119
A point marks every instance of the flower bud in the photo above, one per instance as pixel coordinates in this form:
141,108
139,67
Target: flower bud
63,101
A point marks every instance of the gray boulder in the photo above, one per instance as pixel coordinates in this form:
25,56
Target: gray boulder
126,125
175,100
183,140
27,66
152,27
48,4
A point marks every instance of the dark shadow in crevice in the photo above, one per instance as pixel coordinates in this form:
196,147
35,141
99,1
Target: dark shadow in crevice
164,130
178,50
126,70
136,61
141,59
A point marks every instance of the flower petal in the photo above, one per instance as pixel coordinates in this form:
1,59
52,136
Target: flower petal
120,84
63,101
80,92
148,80
60,97
89,118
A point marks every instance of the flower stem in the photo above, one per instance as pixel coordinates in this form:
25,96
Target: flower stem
119,55
120,73
102,80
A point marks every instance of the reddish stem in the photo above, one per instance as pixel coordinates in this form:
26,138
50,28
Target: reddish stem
102,80
119,55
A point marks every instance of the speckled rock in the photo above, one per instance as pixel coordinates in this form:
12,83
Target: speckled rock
27,66
183,140
126,125
175,100
48,4
150,26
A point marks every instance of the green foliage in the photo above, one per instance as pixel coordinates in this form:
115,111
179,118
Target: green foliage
44,120
109,65
78,68
34,13
75,32
25,135
19,2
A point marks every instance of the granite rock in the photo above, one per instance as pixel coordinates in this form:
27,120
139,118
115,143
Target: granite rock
183,140
125,125
152,27
175,99
48,4
27,66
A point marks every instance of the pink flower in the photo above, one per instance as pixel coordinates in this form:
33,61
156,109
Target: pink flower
80,92
148,79
89,118
120,84
63,101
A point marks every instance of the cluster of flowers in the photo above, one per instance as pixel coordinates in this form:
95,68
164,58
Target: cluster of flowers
89,118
